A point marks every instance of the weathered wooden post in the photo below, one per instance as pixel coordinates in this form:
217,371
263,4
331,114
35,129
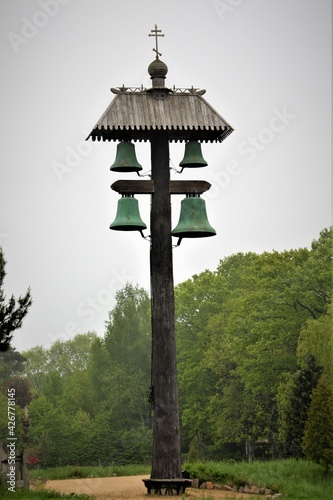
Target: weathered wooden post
161,115
166,432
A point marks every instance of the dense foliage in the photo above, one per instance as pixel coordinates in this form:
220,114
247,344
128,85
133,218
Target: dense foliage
254,337
244,332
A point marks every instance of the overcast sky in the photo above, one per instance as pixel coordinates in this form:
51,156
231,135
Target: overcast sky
266,68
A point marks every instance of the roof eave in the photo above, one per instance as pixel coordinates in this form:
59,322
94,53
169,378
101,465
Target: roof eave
146,134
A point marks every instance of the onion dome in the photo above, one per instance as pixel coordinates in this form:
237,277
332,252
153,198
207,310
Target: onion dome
157,69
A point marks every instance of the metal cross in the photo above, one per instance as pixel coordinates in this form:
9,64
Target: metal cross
156,33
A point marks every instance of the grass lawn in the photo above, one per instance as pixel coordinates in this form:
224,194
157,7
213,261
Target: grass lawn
295,479
23,494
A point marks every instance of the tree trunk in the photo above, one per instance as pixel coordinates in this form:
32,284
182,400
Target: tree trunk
166,434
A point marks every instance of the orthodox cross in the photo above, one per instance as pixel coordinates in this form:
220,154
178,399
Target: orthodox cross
156,33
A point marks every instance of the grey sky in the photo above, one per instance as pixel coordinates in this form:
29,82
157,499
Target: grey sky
266,67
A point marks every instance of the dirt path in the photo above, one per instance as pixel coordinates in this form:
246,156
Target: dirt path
128,487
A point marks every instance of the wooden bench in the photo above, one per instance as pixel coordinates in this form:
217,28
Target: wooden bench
167,486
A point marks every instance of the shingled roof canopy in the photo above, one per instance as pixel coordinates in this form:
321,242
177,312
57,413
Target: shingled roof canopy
134,114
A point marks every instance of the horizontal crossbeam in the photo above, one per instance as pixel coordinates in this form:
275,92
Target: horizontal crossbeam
147,187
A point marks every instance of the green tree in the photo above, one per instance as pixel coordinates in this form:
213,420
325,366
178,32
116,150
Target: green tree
295,402
98,372
92,405
128,330
250,335
124,383
78,443
103,438
311,287
36,366
318,436
196,300
50,432
62,358
61,411
237,336
72,355
11,364
53,386
76,394
316,338
128,399
11,313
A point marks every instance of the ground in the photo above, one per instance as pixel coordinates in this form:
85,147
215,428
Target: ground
128,488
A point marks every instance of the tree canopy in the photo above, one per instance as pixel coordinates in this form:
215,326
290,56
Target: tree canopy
241,336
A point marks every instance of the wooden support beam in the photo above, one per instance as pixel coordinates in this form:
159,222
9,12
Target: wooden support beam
133,187
187,187
147,187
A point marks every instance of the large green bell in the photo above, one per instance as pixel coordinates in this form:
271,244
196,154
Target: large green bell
126,159
193,221
128,215
193,156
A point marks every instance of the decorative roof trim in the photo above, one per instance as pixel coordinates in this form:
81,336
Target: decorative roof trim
142,90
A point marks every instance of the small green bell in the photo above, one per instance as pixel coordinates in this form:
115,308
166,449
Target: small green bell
128,215
126,159
193,156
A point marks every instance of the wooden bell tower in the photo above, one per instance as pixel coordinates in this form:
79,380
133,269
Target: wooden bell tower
161,115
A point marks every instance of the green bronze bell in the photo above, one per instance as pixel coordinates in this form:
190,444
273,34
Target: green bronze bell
128,215
193,221
193,156
126,159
